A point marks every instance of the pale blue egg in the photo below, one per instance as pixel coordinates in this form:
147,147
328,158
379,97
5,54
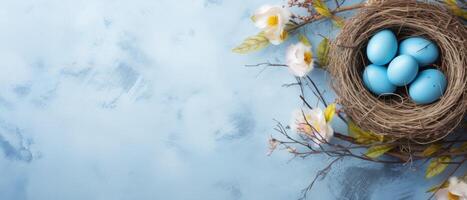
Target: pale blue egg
424,51
402,70
428,87
376,80
382,47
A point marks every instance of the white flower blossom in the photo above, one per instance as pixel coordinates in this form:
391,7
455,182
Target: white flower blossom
272,20
312,123
299,59
457,189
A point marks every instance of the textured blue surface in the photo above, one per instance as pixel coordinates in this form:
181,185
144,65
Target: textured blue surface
120,99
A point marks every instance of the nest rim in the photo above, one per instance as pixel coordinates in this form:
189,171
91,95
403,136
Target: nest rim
396,115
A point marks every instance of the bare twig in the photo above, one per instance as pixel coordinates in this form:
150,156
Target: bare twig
266,64
321,174
316,16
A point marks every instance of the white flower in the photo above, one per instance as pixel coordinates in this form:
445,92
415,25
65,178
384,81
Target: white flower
312,123
272,20
299,59
457,189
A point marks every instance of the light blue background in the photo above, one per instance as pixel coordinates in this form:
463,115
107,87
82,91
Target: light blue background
140,99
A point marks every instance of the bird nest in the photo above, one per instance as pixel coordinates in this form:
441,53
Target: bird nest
396,115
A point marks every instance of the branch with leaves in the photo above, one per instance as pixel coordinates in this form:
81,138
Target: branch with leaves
311,132
317,11
379,148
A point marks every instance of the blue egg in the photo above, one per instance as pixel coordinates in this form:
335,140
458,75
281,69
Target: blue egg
428,87
376,80
402,70
382,47
423,50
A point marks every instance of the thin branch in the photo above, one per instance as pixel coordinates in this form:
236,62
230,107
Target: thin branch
305,102
317,17
320,95
266,64
321,173
317,90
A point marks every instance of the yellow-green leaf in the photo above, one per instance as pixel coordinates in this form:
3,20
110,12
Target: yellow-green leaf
252,43
455,9
459,149
322,52
329,112
463,147
289,26
430,150
445,184
253,18
304,40
437,165
378,150
321,8
363,137
338,21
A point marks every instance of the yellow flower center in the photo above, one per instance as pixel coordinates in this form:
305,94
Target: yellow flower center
307,57
452,196
273,20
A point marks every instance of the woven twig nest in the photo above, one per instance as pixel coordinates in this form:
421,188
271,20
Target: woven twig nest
396,115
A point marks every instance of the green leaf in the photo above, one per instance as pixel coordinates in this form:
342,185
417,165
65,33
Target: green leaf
455,9
253,18
363,137
303,39
462,147
321,8
445,184
437,165
253,43
338,21
322,52
289,26
459,149
329,112
430,150
378,150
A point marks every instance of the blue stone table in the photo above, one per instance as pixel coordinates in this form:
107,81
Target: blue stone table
140,99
